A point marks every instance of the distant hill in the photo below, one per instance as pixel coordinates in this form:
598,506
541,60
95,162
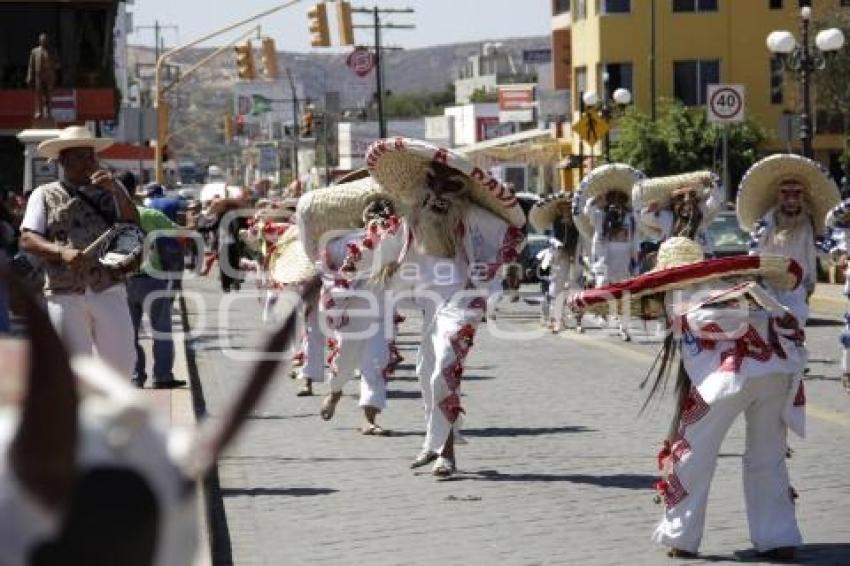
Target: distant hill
199,103
411,70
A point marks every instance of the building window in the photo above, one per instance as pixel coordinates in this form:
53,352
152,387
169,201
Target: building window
580,82
619,76
694,5
777,75
690,79
775,4
580,9
616,6
560,6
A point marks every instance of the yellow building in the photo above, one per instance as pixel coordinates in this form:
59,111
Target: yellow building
697,42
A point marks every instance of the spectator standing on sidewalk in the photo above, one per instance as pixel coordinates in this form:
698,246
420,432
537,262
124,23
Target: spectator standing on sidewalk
151,291
86,298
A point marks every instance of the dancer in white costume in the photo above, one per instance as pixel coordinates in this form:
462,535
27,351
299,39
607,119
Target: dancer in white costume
739,351
838,222
783,200
604,216
355,264
554,213
679,205
465,226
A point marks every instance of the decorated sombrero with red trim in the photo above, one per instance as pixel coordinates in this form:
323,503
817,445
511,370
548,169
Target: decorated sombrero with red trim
609,177
400,165
289,264
683,270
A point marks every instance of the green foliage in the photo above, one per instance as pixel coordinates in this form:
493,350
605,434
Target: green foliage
481,95
417,105
683,140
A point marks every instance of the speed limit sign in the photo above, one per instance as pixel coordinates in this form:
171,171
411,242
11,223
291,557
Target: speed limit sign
725,103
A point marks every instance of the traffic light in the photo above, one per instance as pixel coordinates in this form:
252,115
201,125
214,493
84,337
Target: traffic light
346,28
228,128
269,58
320,34
307,124
245,61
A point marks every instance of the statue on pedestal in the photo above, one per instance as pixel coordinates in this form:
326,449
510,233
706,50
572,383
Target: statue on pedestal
41,76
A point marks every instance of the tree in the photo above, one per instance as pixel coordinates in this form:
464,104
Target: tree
417,105
480,94
683,140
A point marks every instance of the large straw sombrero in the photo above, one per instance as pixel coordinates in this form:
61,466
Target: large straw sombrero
400,165
289,265
680,265
72,137
759,187
660,189
338,207
610,177
544,212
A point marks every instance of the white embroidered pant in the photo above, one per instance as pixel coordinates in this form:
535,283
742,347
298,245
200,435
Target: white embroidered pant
447,334
363,344
770,508
560,277
96,324
313,344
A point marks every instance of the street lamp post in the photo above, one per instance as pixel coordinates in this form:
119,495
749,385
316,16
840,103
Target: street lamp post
804,59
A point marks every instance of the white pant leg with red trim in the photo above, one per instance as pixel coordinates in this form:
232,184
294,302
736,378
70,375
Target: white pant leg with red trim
445,343
771,511
313,344
374,368
703,428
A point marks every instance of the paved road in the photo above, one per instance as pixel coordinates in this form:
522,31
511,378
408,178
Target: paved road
558,467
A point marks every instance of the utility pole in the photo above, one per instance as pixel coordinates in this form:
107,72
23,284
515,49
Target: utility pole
652,81
377,26
157,32
296,124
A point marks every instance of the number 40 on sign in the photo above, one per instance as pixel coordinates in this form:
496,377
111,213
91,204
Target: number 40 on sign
725,103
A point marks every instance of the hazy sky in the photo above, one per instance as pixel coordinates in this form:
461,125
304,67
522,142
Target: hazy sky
437,21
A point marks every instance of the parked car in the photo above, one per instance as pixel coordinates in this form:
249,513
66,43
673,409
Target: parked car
726,235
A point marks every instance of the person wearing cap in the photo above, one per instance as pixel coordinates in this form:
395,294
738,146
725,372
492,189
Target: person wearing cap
604,216
783,199
465,226
679,205
155,198
151,291
733,349
86,299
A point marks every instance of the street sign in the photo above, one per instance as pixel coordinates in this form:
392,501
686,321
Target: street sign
536,56
361,61
591,127
725,103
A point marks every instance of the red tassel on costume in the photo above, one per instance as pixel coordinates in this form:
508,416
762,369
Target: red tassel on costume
663,454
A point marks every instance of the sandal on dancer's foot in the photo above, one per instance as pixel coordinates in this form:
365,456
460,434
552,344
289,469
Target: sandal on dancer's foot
443,467
423,458
373,430
306,390
329,405
674,552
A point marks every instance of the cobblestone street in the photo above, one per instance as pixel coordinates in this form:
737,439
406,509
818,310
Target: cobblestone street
558,469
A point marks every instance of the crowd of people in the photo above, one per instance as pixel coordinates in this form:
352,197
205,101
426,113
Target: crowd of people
423,229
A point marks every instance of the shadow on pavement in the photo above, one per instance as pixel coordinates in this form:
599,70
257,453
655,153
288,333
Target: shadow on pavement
823,322
835,553
403,394
288,491
620,481
282,417
510,431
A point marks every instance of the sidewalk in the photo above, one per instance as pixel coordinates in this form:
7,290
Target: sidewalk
176,406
